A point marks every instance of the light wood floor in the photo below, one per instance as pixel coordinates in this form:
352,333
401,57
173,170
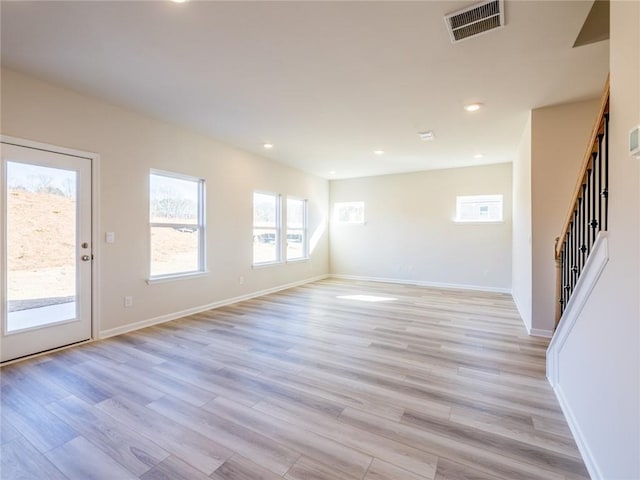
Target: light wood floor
316,382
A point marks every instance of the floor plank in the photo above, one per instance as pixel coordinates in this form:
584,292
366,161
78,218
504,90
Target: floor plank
172,468
203,453
409,458
309,469
240,468
234,435
306,442
380,470
448,470
79,458
39,426
20,460
137,453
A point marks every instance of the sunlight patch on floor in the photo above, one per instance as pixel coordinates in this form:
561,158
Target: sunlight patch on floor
367,298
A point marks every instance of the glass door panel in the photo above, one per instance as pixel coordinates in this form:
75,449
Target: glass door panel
41,245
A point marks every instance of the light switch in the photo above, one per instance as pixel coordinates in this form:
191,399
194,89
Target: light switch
634,142
110,237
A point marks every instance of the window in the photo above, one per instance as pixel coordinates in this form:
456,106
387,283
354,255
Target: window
479,208
176,211
349,213
296,228
266,228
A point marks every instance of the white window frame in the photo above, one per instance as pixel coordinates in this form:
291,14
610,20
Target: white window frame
462,200
200,225
278,228
338,205
304,230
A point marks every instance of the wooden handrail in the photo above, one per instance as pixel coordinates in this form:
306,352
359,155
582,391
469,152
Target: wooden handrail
591,147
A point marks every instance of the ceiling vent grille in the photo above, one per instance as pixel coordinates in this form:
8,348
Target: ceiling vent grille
474,20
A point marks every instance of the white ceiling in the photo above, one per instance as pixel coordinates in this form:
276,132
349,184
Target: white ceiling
325,82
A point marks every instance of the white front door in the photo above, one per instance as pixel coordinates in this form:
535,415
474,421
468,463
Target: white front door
46,250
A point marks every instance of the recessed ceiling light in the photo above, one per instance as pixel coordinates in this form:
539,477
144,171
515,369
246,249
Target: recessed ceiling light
427,136
268,146
473,107
179,1
332,172
378,152
478,155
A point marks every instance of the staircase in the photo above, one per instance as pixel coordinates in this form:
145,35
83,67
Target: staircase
581,250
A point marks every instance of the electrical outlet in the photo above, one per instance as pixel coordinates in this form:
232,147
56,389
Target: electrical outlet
241,280
128,301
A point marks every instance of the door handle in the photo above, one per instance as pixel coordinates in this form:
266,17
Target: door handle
85,258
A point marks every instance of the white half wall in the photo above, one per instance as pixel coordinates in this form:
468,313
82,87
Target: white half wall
598,366
409,233
129,145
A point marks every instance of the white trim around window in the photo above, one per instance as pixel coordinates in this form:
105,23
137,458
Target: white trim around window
267,229
297,238
176,226
349,213
479,209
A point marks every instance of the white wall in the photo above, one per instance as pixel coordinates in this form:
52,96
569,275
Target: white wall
600,361
410,235
521,245
129,145
559,138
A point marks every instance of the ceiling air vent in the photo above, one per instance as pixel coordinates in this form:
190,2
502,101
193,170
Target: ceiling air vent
474,20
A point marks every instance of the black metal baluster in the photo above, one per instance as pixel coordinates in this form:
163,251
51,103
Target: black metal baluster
579,244
594,199
571,255
561,293
567,283
600,199
589,216
570,258
577,241
599,226
583,230
574,267
605,192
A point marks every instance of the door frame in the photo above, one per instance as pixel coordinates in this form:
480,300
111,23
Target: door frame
94,158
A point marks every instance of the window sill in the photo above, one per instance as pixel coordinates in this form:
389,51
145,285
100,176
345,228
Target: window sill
298,260
258,266
177,276
478,222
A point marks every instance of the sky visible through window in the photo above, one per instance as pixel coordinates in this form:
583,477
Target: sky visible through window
37,178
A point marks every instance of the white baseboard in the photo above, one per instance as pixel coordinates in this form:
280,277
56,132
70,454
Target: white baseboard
421,283
578,436
202,308
539,332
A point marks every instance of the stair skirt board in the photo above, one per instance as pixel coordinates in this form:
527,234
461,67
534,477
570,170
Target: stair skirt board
586,283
